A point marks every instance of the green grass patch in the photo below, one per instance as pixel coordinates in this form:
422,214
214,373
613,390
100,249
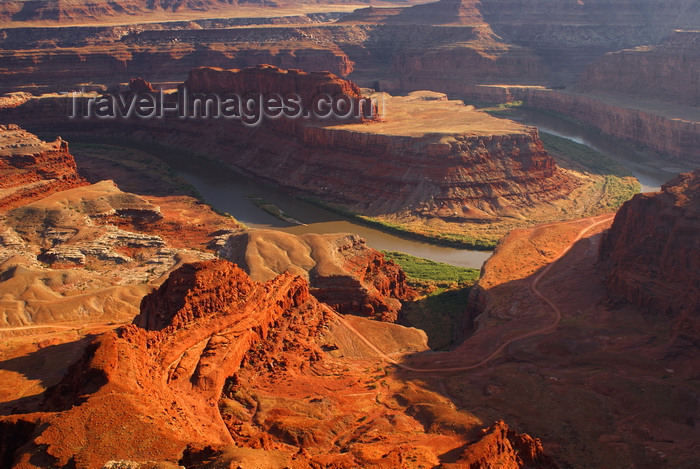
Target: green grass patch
439,313
619,190
444,239
437,273
582,157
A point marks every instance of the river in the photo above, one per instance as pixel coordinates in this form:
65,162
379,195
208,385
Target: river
651,171
229,191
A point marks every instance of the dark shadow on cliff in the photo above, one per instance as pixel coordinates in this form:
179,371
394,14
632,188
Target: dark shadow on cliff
586,389
46,365
438,315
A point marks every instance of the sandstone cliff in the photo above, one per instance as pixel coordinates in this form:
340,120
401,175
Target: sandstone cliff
342,270
219,369
32,169
268,79
151,388
668,71
652,251
672,131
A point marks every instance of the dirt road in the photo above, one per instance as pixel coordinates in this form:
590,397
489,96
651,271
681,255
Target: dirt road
533,287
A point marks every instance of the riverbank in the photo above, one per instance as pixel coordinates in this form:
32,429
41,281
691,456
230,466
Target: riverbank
231,193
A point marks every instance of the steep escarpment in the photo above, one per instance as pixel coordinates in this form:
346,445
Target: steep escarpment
342,270
68,58
668,71
84,10
561,337
427,158
32,169
266,80
652,253
220,369
568,34
671,130
150,389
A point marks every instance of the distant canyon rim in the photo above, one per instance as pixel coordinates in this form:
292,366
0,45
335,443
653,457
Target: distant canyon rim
143,327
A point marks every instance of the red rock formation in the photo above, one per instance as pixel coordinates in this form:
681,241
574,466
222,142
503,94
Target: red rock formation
653,252
139,85
151,388
267,79
31,169
113,55
342,270
479,172
503,448
669,71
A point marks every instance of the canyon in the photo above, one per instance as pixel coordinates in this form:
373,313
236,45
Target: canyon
658,272
433,166
142,328
78,251
217,367
447,46
579,307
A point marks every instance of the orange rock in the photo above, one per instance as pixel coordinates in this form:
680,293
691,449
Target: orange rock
31,168
150,389
653,251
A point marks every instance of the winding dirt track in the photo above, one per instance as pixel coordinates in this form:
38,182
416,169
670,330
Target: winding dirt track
501,348
533,287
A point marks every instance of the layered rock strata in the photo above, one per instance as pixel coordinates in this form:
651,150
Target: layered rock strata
32,169
443,45
673,132
668,71
652,251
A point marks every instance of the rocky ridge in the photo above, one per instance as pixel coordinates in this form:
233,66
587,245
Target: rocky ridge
218,368
610,338
651,252
342,270
161,378
31,169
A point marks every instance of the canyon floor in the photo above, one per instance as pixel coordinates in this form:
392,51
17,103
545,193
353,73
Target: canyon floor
141,327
